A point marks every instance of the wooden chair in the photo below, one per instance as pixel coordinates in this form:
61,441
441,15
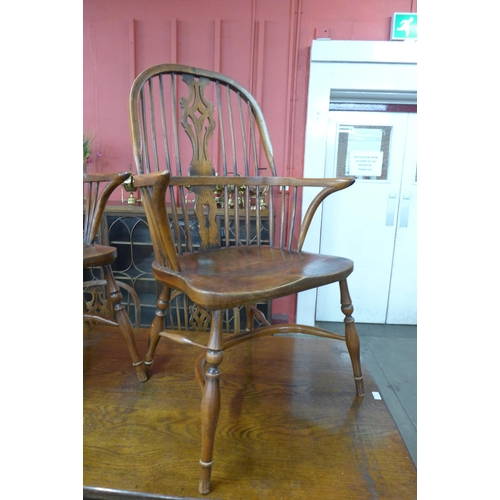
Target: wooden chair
226,242
97,190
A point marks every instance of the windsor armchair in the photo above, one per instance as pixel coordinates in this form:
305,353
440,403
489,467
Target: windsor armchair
97,190
227,231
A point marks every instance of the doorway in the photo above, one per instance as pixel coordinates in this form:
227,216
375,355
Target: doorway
374,221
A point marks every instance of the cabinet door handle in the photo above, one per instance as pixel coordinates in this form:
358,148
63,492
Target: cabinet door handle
391,210
405,211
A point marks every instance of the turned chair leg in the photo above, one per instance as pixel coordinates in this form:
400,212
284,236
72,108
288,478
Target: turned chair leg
124,323
210,402
351,337
157,325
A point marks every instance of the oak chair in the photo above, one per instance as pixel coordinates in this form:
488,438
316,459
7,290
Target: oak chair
97,190
227,231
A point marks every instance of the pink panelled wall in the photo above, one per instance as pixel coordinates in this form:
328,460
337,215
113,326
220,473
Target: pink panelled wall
262,44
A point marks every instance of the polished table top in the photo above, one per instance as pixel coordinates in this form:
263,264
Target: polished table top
290,424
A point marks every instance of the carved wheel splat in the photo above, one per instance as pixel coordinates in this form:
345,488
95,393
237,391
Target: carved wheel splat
199,124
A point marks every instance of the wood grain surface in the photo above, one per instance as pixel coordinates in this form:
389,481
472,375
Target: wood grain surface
290,425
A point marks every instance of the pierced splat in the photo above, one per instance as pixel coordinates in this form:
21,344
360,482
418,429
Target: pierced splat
199,124
205,209
199,318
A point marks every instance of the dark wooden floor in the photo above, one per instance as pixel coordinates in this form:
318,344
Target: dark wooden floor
290,425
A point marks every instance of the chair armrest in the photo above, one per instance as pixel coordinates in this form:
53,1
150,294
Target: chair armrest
280,195
336,183
329,185
311,210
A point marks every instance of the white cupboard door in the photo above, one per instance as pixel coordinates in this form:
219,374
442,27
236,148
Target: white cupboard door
402,307
361,222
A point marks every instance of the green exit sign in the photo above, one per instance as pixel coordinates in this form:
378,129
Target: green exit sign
404,26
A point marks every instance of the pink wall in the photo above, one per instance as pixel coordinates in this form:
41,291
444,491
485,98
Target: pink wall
262,44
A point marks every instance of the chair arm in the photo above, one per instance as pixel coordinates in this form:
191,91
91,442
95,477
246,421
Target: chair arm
336,183
329,185
311,210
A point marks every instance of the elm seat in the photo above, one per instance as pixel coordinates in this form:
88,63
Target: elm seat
98,255
232,277
227,231
97,190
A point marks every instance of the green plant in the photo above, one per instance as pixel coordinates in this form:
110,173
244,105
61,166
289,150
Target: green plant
87,149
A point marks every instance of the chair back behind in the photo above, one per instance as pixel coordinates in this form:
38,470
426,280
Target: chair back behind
97,189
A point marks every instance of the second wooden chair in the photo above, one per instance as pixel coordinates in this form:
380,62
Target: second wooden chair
97,190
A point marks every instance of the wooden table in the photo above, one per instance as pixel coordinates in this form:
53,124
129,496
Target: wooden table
290,425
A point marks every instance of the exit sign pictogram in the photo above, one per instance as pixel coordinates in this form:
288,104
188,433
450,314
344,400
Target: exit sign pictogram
404,26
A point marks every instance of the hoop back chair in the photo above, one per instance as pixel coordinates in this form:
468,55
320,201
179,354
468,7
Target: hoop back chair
97,190
226,242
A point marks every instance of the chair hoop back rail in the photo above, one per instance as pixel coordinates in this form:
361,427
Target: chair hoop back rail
97,190
161,107
223,241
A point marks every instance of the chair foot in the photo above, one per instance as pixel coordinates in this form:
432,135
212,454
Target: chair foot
147,365
210,401
360,386
154,339
140,371
205,474
210,407
124,323
352,338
